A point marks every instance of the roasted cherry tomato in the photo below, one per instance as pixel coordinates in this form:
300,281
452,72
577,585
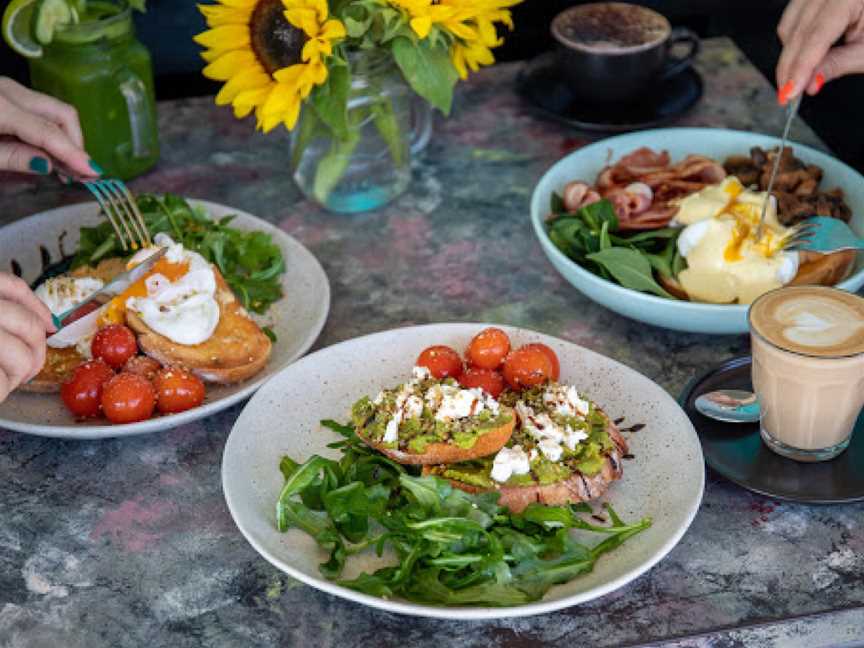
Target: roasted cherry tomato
128,398
553,358
143,366
525,367
177,390
490,381
441,361
488,348
82,393
115,344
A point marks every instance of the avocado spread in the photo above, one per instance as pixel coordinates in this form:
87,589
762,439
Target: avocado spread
586,456
425,411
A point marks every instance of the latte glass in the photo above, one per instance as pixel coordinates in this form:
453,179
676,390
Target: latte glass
808,369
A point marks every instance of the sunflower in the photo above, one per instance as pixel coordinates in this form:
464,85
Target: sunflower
471,23
270,53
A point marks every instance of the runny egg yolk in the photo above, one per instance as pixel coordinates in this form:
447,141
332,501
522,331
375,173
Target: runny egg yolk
747,216
115,312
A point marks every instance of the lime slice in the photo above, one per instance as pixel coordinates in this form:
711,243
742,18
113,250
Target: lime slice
48,15
16,28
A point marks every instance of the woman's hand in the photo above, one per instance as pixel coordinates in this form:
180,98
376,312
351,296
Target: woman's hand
812,54
38,132
24,323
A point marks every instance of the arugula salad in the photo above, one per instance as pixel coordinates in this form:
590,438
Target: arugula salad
250,261
452,548
590,237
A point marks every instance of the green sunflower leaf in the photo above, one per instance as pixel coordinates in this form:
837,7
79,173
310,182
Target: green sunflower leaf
428,70
331,100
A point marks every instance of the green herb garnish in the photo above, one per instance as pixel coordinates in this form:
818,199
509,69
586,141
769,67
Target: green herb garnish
591,238
453,548
250,261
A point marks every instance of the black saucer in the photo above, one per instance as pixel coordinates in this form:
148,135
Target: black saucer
541,84
736,451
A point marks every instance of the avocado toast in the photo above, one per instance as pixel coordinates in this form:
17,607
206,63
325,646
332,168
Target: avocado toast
565,450
429,421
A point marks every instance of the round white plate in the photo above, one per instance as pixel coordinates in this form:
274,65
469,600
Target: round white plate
296,319
664,480
586,163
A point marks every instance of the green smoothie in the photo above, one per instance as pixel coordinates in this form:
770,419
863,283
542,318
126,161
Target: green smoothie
99,67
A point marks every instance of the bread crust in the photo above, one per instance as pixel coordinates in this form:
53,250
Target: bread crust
237,350
574,489
443,453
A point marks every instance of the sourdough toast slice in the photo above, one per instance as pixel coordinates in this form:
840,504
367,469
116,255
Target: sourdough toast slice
237,350
577,487
487,443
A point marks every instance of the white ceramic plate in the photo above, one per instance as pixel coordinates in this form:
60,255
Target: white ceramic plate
665,480
296,319
586,163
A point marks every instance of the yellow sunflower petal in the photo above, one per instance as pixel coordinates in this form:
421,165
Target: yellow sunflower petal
282,96
462,31
458,59
217,15
333,30
291,115
251,80
421,26
225,37
304,19
290,75
246,101
313,50
229,64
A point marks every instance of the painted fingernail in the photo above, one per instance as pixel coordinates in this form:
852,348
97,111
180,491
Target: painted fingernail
98,169
39,164
820,81
785,91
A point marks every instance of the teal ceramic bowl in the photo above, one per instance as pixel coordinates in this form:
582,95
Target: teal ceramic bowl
692,317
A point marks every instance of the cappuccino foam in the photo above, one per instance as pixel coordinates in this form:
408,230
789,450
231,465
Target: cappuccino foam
811,320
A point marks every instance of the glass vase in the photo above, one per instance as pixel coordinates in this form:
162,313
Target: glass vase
371,164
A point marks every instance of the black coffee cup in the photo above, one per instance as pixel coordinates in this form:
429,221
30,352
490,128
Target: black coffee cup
613,51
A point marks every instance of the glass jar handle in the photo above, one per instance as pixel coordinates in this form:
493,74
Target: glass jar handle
421,124
141,123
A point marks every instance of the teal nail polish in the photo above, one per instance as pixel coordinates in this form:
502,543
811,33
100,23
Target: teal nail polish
39,165
98,169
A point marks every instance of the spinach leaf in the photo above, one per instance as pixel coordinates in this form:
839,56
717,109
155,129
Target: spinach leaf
630,268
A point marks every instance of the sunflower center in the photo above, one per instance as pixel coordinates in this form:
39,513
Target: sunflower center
276,42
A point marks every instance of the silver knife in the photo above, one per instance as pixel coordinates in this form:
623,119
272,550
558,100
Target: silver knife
98,299
793,111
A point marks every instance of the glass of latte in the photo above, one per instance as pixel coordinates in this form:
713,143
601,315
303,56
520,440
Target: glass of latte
808,369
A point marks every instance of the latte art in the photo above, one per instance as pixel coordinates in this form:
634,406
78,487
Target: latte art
818,322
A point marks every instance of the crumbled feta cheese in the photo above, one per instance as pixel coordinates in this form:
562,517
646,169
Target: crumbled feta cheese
509,462
420,373
391,432
565,400
378,399
539,426
450,403
572,437
551,450
407,406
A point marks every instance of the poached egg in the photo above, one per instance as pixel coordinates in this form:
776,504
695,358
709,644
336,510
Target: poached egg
60,294
725,261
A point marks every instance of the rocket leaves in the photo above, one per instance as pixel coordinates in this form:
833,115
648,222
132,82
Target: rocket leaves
450,547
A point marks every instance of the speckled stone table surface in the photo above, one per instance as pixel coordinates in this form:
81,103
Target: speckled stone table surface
128,542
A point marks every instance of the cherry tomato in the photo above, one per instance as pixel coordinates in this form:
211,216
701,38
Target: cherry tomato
553,358
115,344
441,361
177,390
82,393
526,367
143,366
488,348
490,381
127,398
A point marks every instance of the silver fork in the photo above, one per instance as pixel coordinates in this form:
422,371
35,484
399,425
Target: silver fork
824,235
119,206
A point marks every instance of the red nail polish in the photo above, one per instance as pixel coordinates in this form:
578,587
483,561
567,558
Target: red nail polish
820,81
785,91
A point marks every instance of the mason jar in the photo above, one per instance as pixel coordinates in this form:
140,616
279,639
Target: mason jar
99,67
370,165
